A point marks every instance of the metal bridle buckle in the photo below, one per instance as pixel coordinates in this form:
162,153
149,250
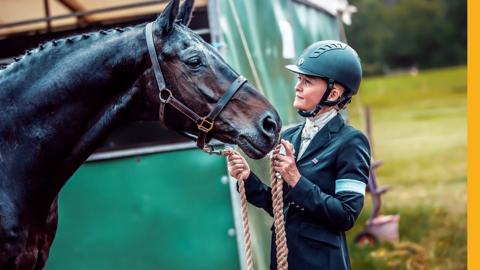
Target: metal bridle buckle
205,128
168,98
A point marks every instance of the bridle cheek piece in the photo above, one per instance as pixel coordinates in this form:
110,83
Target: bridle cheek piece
204,124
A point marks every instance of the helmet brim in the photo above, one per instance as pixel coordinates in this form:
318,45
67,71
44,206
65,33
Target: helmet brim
298,70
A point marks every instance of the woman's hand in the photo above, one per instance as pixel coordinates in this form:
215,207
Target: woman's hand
285,164
237,165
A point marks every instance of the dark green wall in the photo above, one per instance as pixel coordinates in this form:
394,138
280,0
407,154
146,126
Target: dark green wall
161,211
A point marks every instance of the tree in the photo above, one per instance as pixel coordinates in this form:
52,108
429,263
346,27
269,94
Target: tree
405,33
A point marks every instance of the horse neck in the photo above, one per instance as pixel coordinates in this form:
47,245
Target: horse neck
68,104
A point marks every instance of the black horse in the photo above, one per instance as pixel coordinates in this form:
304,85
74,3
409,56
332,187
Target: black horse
61,99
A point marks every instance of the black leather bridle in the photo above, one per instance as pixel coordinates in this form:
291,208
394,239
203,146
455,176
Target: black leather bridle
205,123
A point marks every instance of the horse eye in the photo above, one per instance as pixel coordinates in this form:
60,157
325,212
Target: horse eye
194,62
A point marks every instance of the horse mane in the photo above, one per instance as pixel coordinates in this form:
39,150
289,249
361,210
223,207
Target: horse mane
59,43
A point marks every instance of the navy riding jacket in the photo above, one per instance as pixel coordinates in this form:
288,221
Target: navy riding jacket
327,199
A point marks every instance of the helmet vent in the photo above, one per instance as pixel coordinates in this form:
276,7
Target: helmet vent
325,48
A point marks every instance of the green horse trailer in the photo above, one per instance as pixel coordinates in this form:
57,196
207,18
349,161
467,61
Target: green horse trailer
147,198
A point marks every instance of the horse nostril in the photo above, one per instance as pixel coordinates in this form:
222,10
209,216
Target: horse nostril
268,124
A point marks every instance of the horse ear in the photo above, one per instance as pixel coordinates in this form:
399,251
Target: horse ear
186,11
167,18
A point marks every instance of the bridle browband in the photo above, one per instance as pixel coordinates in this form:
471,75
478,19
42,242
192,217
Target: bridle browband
205,123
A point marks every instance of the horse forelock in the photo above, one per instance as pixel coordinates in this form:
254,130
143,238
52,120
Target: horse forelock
196,38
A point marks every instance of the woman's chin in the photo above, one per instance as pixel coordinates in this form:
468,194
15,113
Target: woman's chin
300,107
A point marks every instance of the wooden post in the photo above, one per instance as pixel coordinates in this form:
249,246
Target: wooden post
47,15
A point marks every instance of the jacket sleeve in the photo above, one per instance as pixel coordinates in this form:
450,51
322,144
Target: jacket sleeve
258,193
341,210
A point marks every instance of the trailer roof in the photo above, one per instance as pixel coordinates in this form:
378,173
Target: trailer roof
31,16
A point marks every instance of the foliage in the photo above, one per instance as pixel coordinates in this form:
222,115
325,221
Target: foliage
419,132
404,33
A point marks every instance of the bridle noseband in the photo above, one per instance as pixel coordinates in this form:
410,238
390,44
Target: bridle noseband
205,123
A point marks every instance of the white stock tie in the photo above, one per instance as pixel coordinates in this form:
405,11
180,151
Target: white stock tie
312,126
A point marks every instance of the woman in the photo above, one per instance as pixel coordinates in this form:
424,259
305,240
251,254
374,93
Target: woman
326,162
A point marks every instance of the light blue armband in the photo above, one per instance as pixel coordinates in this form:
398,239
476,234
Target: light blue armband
350,185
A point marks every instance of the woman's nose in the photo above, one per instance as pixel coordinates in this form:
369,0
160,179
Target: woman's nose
298,86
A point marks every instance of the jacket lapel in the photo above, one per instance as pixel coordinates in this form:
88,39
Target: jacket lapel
323,136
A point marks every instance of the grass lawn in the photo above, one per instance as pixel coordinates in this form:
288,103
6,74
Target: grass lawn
420,134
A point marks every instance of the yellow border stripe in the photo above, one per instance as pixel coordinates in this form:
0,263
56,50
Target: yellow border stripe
473,135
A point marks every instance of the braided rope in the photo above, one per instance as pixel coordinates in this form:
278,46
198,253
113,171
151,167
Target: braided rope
246,230
279,221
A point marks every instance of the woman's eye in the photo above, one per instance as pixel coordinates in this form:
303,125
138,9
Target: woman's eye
303,81
194,62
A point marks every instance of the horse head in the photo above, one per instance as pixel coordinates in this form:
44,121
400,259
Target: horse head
61,99
197,76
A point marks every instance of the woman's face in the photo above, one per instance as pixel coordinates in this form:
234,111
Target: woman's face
308,92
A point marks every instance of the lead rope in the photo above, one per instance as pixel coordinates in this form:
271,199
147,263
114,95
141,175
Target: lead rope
279,222
246,229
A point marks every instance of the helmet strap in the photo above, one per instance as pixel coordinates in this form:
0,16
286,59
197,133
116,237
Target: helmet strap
343,101
323,101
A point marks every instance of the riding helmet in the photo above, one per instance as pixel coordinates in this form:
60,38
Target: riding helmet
331,59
